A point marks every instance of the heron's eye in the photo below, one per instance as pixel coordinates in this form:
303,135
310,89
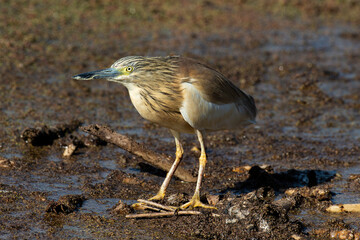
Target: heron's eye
129,69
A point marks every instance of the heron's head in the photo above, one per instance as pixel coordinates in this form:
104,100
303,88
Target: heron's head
127,69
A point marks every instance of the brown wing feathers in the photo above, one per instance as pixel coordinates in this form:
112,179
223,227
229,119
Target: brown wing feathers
214,86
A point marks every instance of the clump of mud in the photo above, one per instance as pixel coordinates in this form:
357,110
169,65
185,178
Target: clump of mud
45,135
66,204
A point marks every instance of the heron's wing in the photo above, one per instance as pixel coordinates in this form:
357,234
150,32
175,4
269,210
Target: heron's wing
214,87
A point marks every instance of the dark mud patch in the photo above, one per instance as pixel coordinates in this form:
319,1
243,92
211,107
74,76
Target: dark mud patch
45,135
66,204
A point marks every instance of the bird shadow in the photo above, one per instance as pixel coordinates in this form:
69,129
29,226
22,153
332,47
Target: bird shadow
144,167
280,181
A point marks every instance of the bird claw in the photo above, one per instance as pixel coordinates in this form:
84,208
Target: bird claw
158,197
193,203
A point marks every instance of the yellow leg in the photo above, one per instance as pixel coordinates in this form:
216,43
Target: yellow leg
195,200
179,153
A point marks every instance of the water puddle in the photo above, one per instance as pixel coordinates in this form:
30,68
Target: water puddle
98,206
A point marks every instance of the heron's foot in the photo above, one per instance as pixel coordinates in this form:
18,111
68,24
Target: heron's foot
158,197
195,202
141,206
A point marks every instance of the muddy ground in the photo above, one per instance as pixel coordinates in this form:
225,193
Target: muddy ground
300,61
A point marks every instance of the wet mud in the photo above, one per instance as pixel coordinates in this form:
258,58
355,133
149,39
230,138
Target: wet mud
272,180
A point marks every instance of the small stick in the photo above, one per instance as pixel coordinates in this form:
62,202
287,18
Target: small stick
146,207
157,205
344,208
162,214
158,160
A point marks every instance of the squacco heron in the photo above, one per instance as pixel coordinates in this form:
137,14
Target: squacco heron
183,95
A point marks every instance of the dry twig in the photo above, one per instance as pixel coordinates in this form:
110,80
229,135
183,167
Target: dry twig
164,211
157,205
344,208
158,160
162,214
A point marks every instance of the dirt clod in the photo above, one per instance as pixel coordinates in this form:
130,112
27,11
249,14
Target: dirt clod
121,208
46,135
177,199
256,212
66,204
315,193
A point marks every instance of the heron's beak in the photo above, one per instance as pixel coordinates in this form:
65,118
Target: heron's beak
108,73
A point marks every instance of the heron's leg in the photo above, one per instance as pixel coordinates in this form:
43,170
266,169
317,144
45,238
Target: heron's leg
178,156
195,200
